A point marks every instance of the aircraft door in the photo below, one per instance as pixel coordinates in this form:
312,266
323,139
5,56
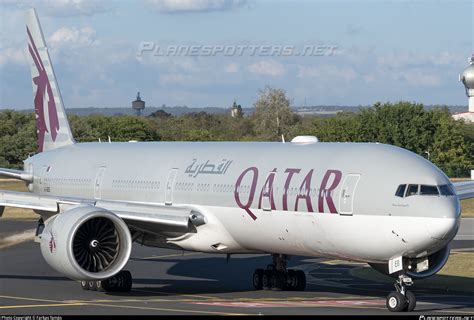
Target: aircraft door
98,182
169,186
42,175
43,186
346,199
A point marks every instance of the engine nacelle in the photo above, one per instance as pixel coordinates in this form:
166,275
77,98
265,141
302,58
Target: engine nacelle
419,268
86,243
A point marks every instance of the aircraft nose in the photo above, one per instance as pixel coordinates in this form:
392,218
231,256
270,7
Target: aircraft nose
445,224
443,228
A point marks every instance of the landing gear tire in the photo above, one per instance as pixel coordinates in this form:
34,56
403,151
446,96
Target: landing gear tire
277,277
277,281
92,285
121,282
85,285
396,302
292,280
402,299
258,279
127,281
410,301
267,280
300,280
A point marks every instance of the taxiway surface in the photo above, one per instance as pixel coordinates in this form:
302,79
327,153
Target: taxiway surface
173,282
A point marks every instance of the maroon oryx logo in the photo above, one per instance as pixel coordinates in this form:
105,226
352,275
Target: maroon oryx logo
42,86
52,243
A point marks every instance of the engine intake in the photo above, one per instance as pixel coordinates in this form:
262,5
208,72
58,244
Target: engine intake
96,244
86,243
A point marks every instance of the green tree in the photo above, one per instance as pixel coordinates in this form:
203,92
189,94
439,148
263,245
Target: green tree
273,115
17,138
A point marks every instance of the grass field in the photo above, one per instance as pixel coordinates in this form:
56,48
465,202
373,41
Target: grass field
456,275
14,213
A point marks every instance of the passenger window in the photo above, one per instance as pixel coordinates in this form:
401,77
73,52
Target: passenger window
401,190
446,190
429,190
412,190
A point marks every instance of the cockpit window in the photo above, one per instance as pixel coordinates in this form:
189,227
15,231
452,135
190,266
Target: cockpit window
404,190
446,190
412,190
401,190
428,190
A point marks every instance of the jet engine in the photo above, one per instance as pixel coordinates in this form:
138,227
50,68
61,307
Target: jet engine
419,268
86,243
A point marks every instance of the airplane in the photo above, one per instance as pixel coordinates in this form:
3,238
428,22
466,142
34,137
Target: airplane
368,202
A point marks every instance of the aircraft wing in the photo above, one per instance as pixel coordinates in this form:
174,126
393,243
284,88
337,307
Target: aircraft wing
145,216
16,174
464,190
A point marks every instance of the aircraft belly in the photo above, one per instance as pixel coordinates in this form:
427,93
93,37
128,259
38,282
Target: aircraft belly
358,237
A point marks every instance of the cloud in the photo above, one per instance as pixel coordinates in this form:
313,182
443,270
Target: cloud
12,56
267,68
353,29
84,37
231,68
325,72
62,8
186,6
410,59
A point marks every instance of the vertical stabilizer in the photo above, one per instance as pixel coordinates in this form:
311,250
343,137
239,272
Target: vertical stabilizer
51,121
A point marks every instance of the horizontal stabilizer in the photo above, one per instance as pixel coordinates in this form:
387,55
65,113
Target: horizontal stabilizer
464,190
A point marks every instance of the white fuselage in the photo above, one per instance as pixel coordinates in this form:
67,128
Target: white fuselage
330,199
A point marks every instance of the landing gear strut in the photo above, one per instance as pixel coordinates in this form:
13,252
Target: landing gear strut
277,277
121,282
401,299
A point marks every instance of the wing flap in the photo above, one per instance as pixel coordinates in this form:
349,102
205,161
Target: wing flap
465,189
28,201
151,213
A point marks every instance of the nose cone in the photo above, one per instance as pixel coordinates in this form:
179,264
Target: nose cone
445,222
443,228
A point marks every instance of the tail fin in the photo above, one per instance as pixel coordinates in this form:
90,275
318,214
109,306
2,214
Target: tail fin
51,121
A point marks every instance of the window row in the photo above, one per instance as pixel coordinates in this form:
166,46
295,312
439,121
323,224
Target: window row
67,181
135,184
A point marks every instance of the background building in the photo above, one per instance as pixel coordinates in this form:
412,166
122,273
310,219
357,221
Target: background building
138,105
467,79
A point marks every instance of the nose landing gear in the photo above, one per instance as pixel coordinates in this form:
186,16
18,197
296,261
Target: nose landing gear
402,299
277,277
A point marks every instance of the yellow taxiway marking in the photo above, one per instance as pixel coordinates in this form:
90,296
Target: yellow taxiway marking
177,294
292,299
167,309
29,299
170,256
42,305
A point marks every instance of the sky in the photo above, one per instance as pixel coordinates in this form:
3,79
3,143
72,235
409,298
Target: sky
335,52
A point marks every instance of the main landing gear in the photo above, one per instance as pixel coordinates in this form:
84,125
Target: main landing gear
277,277
121,282
401,300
